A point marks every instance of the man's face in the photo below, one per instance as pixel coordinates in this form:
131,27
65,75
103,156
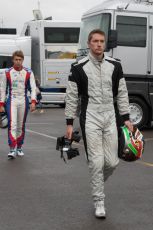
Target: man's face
17,61
97,44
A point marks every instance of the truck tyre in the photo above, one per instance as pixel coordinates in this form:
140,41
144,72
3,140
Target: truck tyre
138,111
62,105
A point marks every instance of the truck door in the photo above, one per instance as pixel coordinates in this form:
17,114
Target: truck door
133,49
132,45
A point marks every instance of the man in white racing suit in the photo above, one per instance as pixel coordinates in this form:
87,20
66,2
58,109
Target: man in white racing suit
15,83
97,80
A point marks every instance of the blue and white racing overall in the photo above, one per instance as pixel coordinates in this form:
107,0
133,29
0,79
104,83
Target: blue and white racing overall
96,84
17,83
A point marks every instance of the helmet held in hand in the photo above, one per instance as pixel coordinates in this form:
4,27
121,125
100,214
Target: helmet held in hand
131,144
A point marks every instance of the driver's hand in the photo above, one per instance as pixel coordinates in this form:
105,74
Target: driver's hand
2,109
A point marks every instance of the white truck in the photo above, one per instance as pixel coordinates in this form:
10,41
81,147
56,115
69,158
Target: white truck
54,48
8,44
128,26
50,48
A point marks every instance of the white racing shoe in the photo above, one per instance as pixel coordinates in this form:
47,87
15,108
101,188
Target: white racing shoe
100,211
19,152
12,154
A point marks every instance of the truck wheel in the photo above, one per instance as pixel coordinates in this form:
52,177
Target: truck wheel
138,111
62,105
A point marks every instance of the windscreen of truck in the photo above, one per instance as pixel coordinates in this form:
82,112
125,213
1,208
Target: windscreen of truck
100,21
61,43
5,62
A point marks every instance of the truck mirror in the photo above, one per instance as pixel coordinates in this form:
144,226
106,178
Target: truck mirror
112,39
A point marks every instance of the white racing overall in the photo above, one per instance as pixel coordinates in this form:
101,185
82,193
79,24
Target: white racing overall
17,83
96,84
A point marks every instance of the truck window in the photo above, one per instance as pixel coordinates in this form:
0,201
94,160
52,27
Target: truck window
132,31
101,21
61,43
8,31
5,62
27,32
61,35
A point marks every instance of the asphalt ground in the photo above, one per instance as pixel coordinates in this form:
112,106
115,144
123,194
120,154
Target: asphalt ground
41,192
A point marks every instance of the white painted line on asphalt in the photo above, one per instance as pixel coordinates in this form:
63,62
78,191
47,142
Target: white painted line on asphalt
149,139
45,135
41,134
34,123
145,163
146,139
55,138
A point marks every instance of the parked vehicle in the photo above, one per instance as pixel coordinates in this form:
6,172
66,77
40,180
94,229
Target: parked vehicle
10,43
54,48
50,48
129,38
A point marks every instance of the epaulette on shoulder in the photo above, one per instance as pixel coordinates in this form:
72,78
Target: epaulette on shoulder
112,59
74,63
81,62
8,69
27,69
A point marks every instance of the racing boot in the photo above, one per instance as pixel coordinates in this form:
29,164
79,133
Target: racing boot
100,211
12,154
19,152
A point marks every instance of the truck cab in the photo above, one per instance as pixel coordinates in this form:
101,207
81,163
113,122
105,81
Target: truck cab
128,27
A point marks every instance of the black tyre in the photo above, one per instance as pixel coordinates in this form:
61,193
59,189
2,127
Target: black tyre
138,111
62,105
